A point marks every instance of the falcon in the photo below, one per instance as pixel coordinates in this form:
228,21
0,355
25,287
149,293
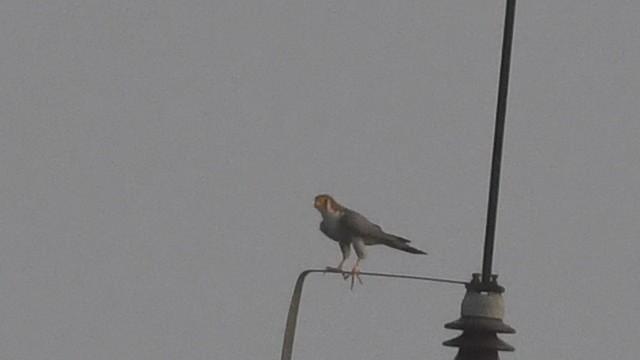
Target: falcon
350,228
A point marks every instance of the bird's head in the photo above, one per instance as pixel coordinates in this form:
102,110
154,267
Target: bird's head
326,204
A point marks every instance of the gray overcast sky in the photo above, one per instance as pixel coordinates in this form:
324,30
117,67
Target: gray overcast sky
159,159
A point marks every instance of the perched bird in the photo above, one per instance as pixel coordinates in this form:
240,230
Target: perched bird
348,228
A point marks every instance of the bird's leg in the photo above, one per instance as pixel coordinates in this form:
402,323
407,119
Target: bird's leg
345,248
355,273
338,269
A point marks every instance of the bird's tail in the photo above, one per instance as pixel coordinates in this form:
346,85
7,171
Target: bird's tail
399,243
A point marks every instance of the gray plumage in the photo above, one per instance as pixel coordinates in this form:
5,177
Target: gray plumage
353,228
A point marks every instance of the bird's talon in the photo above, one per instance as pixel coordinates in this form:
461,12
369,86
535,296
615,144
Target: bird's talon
355,274
353,280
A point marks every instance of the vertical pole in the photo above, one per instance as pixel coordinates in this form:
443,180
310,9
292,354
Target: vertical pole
498,140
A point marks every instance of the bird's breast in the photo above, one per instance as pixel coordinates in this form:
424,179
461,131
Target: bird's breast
331,222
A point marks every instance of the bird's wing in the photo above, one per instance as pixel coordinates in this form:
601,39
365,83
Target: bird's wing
356,225
359,226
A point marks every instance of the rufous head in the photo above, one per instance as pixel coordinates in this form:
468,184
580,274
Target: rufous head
325,203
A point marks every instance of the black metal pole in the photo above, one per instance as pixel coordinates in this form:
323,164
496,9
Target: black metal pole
498,140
